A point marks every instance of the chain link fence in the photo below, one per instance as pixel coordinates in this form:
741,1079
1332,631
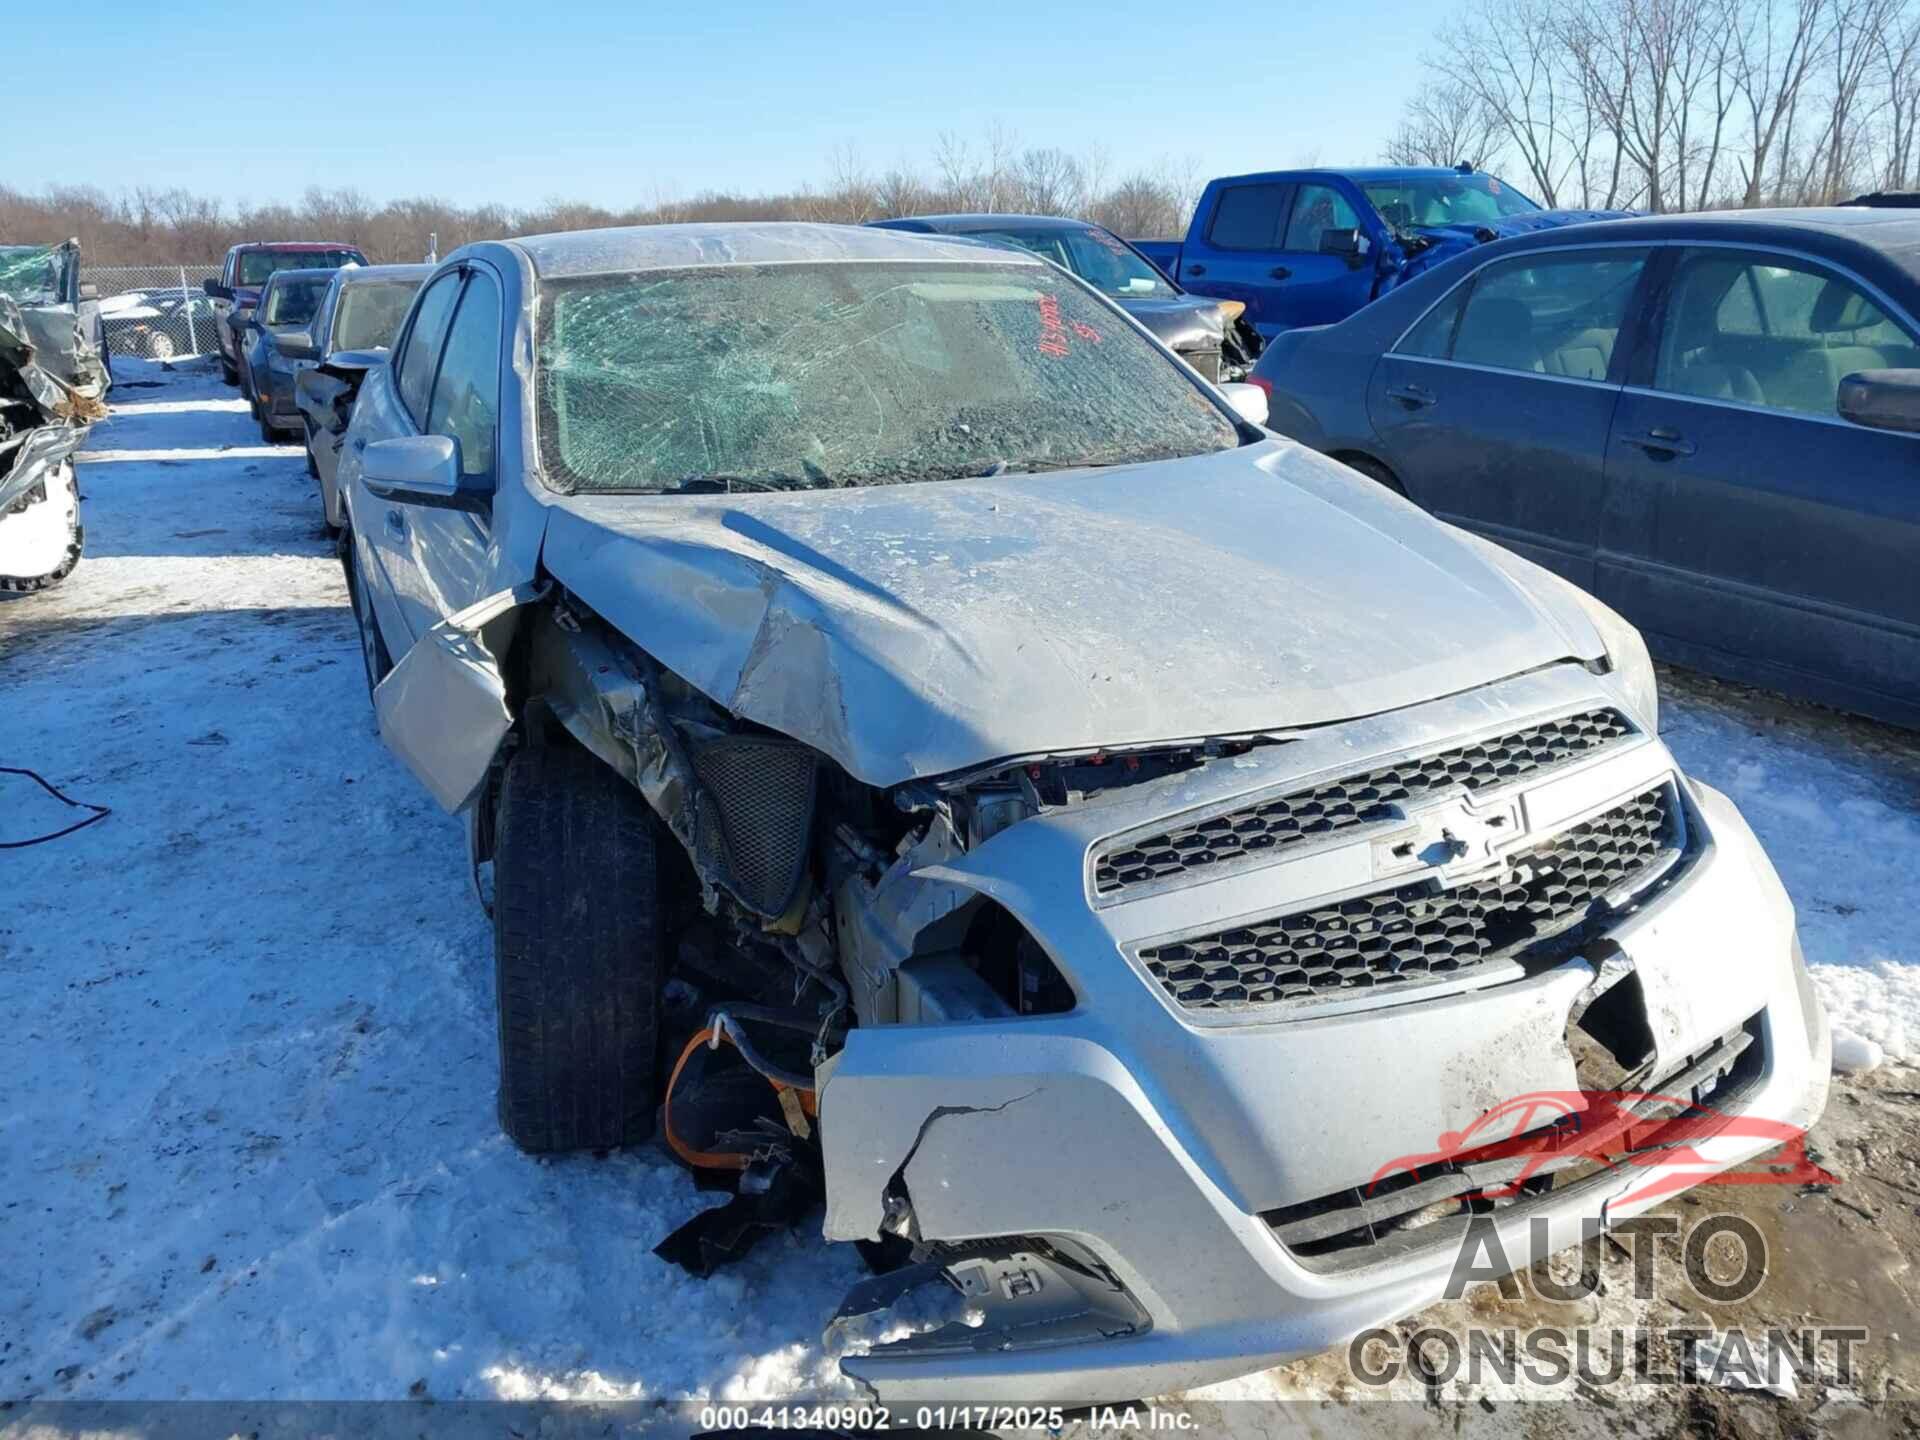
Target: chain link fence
155,311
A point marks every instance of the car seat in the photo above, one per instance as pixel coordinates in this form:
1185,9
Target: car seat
1841,318
1498,331
1584,355
1694,342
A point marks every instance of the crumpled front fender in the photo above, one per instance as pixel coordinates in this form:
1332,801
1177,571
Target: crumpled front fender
443,708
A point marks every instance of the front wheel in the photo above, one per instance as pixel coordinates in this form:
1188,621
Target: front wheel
578,953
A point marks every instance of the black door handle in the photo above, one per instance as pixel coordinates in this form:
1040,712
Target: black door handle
1662,441
1280,272
1196,269
1414,397
396,524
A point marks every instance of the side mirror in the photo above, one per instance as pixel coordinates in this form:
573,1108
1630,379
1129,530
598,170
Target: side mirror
1882,399
1249,402
294,344
1350,243
423,470
216,291
89,291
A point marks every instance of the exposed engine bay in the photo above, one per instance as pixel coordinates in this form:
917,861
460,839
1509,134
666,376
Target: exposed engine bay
802,903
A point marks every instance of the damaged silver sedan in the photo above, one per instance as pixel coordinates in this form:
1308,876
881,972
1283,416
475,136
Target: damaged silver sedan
52,384
928,751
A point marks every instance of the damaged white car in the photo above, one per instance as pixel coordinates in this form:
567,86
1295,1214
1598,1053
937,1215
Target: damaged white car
52,381
927,750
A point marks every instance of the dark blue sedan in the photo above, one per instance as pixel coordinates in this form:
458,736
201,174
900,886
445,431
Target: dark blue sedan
1711,422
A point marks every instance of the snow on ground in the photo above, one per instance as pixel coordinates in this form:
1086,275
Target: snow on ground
246,1118
1836,802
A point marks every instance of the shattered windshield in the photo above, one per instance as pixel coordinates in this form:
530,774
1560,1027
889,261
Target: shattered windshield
259,266
1104,261
30,274
368,315
1429,200
787,377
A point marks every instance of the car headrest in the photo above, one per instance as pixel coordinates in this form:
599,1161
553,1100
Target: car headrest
1839,307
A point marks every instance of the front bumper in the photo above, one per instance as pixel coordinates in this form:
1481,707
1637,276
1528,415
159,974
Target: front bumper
1154,1139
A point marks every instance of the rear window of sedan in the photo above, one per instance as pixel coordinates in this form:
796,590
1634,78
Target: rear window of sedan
808,376
293,302
368,315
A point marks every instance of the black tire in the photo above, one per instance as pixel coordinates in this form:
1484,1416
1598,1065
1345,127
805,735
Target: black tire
373,646
1375,472
578,954
228,373
313,470
267,432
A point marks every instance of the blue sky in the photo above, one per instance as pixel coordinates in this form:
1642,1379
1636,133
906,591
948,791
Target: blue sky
619,103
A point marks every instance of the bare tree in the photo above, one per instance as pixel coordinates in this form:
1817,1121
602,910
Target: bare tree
1512,55
1898,52
1446,122
1141,207
1772,47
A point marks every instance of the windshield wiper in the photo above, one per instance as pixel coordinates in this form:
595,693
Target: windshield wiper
724,484
1034,467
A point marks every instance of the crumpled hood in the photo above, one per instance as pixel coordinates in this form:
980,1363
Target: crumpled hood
1184,322
1451,240
918,630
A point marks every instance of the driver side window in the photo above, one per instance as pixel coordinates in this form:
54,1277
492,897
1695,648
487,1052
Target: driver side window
1317,209
423,344
1772,331
466,396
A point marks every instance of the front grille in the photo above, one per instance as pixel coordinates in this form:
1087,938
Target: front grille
1421,931
1313,813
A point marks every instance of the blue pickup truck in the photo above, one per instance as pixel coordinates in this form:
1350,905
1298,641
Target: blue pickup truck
1309,247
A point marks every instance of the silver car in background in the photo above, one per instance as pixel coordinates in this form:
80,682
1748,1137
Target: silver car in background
1116,836
350,334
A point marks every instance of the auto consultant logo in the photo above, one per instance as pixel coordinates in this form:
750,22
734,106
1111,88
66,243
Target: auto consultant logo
1539,1147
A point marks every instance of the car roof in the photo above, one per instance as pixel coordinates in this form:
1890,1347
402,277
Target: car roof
1866,237
676,247
280,275
293,245
964,224
1361,173
365,274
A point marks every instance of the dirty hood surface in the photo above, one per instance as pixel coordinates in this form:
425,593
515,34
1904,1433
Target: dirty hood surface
917,630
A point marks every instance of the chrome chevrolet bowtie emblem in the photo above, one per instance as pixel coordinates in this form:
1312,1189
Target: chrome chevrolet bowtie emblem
1459,838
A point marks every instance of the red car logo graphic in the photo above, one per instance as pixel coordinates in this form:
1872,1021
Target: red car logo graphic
1537,1134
